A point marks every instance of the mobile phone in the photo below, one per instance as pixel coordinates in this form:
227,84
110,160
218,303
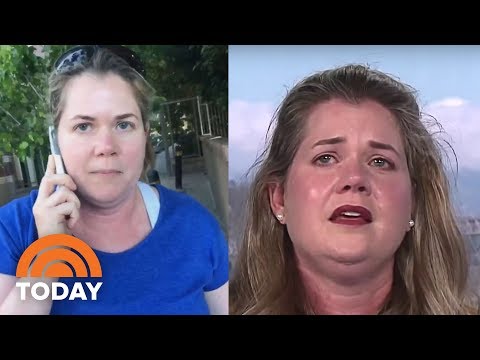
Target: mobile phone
55,150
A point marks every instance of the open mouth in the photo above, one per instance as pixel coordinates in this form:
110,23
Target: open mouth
351,215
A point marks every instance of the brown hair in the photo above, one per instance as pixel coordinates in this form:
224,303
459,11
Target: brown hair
431,269
103,62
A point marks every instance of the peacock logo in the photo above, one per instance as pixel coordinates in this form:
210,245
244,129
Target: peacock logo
57,256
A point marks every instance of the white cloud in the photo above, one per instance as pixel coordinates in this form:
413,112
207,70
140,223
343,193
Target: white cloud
248,123
449,102
461,122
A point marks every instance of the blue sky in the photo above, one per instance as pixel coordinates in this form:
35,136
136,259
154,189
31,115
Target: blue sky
446,77
260,73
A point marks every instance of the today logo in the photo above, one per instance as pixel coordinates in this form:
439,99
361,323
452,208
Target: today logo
59,255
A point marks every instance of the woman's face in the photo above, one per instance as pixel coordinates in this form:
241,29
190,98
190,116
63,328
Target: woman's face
351,156
101,136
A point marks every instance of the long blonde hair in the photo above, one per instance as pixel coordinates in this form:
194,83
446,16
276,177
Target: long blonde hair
431,269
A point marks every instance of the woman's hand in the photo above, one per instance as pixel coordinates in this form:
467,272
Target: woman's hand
56,211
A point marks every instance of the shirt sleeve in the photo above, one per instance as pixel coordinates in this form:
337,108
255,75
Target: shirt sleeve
8,251
17,232
219,256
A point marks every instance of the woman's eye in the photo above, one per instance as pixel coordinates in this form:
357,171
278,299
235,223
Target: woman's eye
324,159
83,127
124,125
381,163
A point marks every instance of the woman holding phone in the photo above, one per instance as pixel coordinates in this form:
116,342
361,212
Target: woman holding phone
161,252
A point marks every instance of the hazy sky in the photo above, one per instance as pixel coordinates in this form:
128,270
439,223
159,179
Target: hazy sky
446,77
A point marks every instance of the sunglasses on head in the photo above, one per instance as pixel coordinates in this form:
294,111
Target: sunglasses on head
83,53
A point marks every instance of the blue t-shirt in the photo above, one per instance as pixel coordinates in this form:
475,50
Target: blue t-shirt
168,272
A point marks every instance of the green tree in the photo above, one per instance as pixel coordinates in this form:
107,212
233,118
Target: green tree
180,71
184,71
23,106
212,70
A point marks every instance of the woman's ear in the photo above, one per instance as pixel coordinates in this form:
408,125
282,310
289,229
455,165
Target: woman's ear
276,196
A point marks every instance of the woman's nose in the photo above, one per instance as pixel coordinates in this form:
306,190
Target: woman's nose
105,143
354,177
